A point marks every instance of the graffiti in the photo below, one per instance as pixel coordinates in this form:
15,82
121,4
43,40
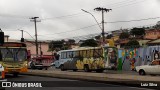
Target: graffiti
130,58
92,63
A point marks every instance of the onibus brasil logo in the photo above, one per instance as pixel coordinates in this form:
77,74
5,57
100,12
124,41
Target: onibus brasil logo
20,84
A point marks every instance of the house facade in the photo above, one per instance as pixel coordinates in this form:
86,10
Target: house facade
152,34
31,47
43,48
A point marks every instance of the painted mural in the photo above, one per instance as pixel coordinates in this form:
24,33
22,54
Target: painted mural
130,58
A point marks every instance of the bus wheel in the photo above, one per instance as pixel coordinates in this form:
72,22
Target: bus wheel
99,70
86,68
15,74
62,68
74,70
46,68
40,68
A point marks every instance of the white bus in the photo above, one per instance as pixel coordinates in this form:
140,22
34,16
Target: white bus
88,58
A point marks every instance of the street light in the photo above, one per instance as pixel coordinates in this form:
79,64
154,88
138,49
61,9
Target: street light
93,17
103,10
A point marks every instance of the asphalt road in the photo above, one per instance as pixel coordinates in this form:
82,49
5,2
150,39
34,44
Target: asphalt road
49,83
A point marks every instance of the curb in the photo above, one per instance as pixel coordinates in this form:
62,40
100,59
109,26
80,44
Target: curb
123,82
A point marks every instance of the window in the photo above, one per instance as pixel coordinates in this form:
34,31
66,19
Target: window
64,55
61,55
76,54
91,53
81,53
88,53
85,53
70,54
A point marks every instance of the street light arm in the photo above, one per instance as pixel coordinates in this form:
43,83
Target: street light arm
29,34
93,17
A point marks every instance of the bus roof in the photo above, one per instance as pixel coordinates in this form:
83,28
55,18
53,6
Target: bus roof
83,48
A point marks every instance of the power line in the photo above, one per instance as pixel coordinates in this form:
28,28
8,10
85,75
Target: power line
14,16
100,23
75,14
133,20
128,4
99,33
73,30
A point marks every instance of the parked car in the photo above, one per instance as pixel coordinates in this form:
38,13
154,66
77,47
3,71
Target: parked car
152,69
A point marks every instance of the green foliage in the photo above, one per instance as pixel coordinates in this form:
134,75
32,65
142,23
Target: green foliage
132,44
71,41
89,42
124,35
98,37
138,31
109,36
56,45
61,45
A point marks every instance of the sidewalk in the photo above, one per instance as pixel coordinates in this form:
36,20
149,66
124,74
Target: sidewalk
120,77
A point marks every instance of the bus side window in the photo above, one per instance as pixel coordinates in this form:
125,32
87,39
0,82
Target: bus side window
70,54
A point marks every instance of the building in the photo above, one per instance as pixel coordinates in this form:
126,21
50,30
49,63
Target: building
42,49
31,47
152,34
155,42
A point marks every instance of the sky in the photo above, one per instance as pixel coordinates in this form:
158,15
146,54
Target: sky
63,19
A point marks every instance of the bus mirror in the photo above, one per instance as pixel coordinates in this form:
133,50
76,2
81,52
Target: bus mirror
1,37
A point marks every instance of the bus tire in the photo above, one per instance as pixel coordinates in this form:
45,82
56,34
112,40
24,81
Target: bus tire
62,68
86,68
99,70
15,74
40,68
46,68
74,70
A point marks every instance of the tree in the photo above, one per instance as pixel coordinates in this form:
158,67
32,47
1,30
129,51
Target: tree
132,44
56,45
89,42
67,44
97,37
138,31
71,41
109,36
124,35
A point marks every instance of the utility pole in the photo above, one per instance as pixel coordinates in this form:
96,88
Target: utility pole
34,19
40,49
22,33
103,10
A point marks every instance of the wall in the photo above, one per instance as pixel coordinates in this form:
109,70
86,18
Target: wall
136,56
44,47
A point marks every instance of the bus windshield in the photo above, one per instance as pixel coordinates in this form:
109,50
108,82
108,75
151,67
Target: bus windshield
13,54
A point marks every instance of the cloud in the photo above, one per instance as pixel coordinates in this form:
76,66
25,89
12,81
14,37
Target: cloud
15,15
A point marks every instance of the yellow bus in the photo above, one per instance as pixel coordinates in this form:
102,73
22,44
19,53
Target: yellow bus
88,59
13,57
